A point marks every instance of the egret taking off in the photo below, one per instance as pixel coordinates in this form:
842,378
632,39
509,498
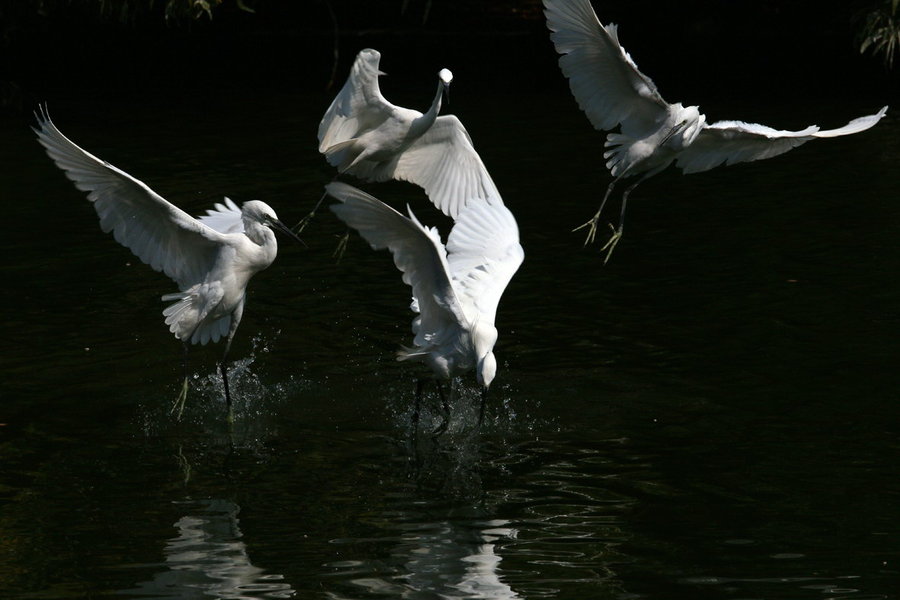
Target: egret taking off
364,135
612,91
211,258
456,288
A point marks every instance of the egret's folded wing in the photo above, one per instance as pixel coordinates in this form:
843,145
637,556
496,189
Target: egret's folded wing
444,162
224,217
160,234
731,142
358,106
484,253
418,253
605,81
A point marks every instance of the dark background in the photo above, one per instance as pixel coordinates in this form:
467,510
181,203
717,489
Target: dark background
691,47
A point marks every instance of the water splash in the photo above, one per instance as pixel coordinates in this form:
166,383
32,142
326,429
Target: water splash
254,399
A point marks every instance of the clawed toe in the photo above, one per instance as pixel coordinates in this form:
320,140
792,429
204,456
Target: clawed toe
592,232
611,243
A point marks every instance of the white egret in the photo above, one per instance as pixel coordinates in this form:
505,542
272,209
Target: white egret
612,91
456,288
366,136
211,258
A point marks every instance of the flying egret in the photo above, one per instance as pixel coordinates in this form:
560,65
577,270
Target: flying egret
366,136
211,258
612,91
456,288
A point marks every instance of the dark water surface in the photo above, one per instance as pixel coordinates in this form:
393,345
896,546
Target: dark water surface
714,414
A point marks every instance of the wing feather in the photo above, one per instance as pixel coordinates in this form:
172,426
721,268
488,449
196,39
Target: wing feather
417,252
731,142
445,164
160,234
358,106
604,79
224,217
484,253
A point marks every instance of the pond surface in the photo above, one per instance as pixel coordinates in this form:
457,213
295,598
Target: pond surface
713,414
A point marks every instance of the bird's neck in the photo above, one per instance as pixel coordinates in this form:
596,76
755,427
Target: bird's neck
423,123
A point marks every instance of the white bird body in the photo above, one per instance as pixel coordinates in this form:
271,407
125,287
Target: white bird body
211,258
456,288
366,136
653,134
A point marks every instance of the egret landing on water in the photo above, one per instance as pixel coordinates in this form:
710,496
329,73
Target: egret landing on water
612,91
211,258
364,135
456,288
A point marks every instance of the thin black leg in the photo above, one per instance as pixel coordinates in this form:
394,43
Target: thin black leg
445,409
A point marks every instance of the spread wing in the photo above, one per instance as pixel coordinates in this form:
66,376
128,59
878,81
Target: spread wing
731,142
444,162
160,234
418,253
605,81
358,106
224,218
484,253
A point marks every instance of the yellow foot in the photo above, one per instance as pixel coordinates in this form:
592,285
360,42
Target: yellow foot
304,222
341,247
611,243
592,232
178,405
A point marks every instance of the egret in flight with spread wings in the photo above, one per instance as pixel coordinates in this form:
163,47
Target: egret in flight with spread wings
456,288
364,135
612,91
211,258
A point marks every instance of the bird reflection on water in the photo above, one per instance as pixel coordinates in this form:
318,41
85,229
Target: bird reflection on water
208,559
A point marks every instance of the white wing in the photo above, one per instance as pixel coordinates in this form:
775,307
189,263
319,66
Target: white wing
443,162
160,234
605,81
224,218
484,253
358,106
417,251
733,142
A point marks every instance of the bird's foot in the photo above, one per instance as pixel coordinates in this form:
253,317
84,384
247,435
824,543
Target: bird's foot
611,242
178,405
299,227
592,231
341,247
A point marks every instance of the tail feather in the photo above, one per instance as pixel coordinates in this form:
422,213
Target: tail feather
187,319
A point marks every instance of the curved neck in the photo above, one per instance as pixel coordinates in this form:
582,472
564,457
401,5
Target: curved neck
423,123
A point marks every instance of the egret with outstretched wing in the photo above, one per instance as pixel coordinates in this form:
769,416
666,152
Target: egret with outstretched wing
612,92
364,135
456,288
211,258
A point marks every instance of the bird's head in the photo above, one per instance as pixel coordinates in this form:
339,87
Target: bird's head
257,213
687,127
445,77
484,338
486,370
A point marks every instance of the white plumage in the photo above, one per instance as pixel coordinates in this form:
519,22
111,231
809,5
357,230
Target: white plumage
211,258
456,288
366,136
612,92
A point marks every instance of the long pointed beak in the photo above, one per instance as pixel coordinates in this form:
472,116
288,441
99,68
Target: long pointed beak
484,397
286,231
677,129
